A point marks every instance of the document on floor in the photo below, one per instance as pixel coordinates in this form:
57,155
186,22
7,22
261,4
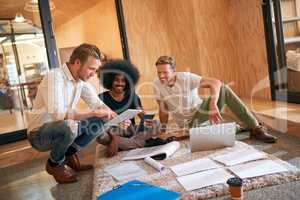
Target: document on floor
204,179
240,156
125,171
156,165
126,115
164,151
194,166
257,168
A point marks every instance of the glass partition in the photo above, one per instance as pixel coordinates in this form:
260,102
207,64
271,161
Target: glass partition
23,62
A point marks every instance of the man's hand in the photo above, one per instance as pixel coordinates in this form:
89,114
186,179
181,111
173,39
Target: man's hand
214,114
104,113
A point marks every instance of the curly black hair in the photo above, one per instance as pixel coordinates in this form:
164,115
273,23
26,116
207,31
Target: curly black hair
112,68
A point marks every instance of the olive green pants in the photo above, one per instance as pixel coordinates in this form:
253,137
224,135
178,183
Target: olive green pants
235,104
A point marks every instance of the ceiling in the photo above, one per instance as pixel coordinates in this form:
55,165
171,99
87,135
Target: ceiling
18,27
8,9
68,9
64,10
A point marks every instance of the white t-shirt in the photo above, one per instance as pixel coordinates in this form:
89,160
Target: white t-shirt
182,99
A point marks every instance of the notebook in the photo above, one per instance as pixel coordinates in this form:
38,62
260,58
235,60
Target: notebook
138,190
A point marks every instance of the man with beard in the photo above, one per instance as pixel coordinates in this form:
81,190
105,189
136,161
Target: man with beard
56,125
177,94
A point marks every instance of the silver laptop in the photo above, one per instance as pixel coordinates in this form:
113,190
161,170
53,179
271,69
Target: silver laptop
212,136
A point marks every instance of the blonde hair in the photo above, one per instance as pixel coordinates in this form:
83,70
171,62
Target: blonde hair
166,60
83,51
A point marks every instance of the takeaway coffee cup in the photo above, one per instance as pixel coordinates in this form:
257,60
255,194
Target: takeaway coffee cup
235,188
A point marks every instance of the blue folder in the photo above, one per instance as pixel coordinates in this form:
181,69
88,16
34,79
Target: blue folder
138,190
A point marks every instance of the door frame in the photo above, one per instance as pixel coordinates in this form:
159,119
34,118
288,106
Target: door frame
122,29
47,26
278,72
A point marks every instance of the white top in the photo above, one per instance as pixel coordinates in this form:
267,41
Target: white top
182,99
57,93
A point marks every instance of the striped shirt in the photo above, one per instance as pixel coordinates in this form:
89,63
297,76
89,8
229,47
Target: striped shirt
57,93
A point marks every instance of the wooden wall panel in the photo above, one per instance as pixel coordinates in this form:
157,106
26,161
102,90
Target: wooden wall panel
297,8
97,25
218,38
66,10
148,38
288,9
248,39
184,47
216,49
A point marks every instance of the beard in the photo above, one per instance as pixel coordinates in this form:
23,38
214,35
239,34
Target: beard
82,76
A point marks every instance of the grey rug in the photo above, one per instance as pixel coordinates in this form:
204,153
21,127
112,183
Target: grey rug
30,181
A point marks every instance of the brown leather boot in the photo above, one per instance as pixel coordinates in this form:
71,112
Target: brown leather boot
61,174
260,133
73,162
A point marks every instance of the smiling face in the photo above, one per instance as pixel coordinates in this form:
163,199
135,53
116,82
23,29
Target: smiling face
165,73
88,68
119,84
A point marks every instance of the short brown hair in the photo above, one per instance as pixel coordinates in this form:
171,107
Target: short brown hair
166,60
83,51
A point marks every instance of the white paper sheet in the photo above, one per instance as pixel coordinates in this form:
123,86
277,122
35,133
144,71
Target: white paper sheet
141,153
194,166
204,179
257,168
125,171
240,156
155,164
128,114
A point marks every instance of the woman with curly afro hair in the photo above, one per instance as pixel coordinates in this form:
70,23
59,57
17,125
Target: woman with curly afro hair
119,77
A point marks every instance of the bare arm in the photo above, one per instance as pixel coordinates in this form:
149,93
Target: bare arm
214,85
100,113
96,107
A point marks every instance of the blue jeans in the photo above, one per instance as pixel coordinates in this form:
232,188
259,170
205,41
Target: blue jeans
58,137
